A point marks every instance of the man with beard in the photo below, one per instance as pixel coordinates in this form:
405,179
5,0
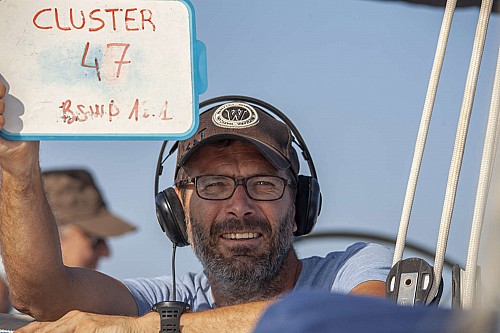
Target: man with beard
241,234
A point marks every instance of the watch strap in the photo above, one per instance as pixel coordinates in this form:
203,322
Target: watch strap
170,313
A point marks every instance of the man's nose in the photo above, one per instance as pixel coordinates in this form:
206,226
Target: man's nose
240,204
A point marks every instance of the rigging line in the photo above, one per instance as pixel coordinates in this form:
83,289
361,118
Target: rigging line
423,129
458,150
488,301
487,163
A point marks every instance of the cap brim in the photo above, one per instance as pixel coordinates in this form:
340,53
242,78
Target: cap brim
271,154
104,224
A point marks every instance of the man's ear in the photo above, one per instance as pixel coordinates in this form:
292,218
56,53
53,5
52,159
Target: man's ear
179,194
186,213
183,199
183,195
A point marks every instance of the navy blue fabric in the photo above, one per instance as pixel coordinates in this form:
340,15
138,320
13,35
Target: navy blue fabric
317,311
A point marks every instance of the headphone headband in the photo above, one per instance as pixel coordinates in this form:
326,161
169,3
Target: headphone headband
308,199
296,136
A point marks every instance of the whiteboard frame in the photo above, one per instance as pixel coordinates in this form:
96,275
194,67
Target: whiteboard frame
199,86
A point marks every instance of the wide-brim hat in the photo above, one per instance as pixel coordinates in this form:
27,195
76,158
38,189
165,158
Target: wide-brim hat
75,199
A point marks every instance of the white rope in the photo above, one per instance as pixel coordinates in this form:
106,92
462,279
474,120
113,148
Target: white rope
423,129
490,270
487,162
458,150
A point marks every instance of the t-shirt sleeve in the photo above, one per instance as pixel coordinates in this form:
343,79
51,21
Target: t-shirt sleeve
192,288
362,263
149,291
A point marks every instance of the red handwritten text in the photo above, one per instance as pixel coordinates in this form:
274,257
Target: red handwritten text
82,113
95,64
111,19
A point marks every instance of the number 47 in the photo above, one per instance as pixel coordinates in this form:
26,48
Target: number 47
96,62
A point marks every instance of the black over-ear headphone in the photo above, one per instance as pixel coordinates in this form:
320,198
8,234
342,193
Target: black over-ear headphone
170,212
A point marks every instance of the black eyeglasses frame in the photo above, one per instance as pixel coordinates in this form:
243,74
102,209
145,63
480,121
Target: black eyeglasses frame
183,183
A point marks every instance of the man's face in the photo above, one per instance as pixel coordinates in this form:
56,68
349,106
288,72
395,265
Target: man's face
238,239
79,249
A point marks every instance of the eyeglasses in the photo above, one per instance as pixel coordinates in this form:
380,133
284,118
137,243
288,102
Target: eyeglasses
217,187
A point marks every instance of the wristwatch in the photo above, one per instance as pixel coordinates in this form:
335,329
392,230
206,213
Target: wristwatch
170,314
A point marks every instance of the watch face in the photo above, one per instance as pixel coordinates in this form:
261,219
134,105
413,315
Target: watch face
174,305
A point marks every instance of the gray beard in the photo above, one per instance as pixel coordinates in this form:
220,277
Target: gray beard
251,278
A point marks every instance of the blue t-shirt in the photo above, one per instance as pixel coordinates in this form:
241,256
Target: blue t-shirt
338,272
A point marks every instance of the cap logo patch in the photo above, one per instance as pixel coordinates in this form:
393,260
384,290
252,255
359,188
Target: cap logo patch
235,115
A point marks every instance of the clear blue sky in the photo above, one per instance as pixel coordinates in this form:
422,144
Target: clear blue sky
352,75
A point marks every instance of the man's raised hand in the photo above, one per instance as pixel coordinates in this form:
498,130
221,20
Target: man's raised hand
16,157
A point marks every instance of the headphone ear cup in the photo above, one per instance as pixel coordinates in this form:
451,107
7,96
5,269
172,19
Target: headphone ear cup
307,204
171,216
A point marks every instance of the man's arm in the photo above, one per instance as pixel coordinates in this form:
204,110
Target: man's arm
244,317
230,319
364,271
240,318
369,288
39,282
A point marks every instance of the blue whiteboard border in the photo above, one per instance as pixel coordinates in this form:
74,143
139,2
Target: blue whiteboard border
199,77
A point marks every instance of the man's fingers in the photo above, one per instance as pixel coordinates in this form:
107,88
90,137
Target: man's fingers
82,322
58,326
2,90
2,95
2,121
31,327
2,105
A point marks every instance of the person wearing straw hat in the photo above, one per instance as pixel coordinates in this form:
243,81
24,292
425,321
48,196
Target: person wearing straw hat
83,221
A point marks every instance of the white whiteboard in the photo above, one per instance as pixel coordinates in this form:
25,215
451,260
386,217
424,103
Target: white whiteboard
79,69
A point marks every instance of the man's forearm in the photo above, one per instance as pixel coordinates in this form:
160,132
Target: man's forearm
240,318
30,247
370,288
228,319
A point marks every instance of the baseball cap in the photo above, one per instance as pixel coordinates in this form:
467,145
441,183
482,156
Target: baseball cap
249,123
75,199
